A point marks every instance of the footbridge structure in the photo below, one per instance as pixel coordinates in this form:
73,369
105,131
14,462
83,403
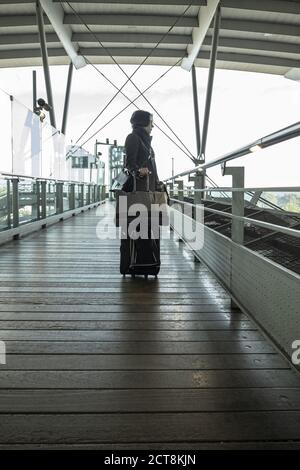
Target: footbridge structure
206,355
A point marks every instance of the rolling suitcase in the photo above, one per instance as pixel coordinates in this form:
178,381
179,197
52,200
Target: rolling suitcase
140,257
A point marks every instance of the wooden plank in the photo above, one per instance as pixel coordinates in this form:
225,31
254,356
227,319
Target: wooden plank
116,316
136,308
146,347
195,445
143,362
148,379
128,325
142,401
161,427
130,335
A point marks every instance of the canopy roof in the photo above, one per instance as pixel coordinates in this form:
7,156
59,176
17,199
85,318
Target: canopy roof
255,35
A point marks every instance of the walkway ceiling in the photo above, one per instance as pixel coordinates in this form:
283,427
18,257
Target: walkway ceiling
256,35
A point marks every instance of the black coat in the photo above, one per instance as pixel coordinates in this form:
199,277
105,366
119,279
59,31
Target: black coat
139,154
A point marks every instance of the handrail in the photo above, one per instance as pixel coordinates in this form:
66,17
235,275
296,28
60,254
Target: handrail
290,189
281,135
267,225
39,178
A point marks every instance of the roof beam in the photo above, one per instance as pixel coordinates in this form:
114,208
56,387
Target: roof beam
55,14
132,51
132,20
144,38
252,59
29,38
277,6
285,29
256,45
164,53
206,14
151,38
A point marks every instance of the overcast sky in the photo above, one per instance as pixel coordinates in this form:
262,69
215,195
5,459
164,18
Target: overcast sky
245,106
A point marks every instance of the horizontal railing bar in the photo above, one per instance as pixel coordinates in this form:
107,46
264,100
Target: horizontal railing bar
267,225
38,178
290,189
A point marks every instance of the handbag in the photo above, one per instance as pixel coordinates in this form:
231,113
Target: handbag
120,180
145,198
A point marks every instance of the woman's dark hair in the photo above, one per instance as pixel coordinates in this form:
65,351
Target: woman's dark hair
140,118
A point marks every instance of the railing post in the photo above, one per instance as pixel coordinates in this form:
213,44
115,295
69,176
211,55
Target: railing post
8,203
198,184
103,192
72,196
15,202
37,191
238,207
81,195
43,199
89,195
180,190
59,197
238,201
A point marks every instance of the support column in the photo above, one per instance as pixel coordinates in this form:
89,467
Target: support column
43,199
15,202
34,92
238,201
59,197
43,44
211,75
238,206
67,99
196,111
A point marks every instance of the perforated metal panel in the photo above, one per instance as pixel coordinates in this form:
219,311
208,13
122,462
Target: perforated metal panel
270,293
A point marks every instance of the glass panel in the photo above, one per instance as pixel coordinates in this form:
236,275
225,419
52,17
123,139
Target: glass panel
66,203
28,201
26,135
77,190
6,141
51,199
4,203
86,194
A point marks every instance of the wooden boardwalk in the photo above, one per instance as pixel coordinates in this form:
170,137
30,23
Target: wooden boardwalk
98,361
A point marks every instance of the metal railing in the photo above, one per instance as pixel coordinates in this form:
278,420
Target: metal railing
235,197
25,199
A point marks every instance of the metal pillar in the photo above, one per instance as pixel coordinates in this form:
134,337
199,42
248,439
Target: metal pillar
43,199
67,99
211,75
199,183
180,189
15,202
238,201
196,111
59,197
42,36
34,92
